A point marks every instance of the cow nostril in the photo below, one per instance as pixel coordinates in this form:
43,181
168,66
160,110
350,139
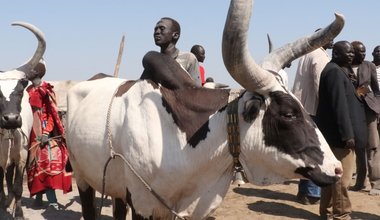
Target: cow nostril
338,171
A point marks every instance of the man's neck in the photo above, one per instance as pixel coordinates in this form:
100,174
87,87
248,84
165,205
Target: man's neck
171,50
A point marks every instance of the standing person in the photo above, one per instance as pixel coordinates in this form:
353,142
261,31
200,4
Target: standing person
376,61
341,118
367,86
305,88
200,54
374,155
166,34
283,75
48,154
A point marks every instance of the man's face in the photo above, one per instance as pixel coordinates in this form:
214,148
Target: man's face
163,33
376,53
200,54
360,53
345,53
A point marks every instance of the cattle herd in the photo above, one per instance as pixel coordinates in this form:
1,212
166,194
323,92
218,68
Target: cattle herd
160,147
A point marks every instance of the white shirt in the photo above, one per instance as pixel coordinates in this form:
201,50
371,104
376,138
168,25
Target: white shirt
306,82
378,73
283,78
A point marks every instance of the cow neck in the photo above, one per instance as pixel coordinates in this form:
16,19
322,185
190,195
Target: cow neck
114,154
233,125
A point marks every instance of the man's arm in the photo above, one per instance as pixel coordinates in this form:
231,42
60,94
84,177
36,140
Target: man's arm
374,82
338,100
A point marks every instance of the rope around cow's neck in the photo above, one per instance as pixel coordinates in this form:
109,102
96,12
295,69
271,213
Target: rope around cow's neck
113,155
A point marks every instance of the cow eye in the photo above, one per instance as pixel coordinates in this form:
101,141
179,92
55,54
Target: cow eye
289,115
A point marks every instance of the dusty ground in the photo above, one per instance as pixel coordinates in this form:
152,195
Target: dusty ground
241,203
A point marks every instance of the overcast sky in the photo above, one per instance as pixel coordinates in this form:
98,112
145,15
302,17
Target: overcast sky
83,36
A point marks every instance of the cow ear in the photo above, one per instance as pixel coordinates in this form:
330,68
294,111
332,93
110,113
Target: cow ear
252,108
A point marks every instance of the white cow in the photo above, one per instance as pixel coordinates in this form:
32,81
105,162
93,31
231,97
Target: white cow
15,125
60,89
176,145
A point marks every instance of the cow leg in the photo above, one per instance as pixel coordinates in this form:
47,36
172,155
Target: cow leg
9,179
17,190
2,193
135,216
120,209
87,198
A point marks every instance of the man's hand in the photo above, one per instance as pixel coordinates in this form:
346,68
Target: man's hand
362,91
44,140
350,143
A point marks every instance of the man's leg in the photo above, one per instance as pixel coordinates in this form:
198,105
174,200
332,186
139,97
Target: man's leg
373,155
340,200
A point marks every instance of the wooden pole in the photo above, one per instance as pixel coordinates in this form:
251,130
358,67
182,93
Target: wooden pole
117,66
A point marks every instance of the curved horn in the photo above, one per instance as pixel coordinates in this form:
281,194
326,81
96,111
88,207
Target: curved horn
26,68
236,56
270,45
289,52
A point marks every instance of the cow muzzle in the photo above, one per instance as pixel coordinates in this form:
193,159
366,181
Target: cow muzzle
318,177
10,121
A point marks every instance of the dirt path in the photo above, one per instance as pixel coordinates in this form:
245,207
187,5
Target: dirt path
241,203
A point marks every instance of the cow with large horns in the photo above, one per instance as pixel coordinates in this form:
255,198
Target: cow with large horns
174,149
15,124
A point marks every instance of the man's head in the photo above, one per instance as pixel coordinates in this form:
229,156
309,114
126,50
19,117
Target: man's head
199,52
167,31
342,53
38,71
376,54
210,79
360,52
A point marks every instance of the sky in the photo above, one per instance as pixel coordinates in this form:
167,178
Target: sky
83,37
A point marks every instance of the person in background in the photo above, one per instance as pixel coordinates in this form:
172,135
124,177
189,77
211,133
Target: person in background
341,118
200,54
210,84
48,155
283,76
305,88
376,61
166,34
375,154
367,88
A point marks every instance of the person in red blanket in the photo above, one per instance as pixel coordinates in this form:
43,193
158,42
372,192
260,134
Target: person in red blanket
48,153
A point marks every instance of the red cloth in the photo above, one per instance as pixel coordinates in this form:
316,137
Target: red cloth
202,74
46,167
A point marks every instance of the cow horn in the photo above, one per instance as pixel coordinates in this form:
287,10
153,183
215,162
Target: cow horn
270,45
236,57
28,67
289,52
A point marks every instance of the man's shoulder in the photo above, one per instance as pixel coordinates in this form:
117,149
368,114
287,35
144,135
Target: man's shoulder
369,64
186,55
318,54
331,70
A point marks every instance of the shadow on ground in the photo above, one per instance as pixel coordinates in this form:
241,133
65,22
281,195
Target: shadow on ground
64,211
265,193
